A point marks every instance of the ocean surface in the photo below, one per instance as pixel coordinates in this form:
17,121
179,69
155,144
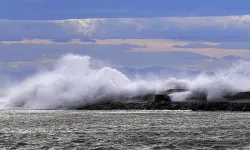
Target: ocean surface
64,129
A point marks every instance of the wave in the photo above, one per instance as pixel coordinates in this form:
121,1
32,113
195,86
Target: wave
76,81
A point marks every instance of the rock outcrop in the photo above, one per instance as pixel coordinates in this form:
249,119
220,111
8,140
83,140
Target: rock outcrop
162,101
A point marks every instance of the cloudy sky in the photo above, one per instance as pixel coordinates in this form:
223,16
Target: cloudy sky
190,34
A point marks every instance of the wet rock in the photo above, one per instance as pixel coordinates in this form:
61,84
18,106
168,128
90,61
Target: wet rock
197,96
170,91
162,98
163,101
240,95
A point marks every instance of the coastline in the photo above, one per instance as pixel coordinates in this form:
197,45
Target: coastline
193,106
162,101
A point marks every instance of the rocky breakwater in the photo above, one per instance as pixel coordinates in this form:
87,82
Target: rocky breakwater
162,101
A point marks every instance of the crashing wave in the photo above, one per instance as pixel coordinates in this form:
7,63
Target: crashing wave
75,81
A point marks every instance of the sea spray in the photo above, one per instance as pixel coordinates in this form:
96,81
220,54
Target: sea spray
74,82
225,82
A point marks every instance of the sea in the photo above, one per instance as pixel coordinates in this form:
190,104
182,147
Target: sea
130,129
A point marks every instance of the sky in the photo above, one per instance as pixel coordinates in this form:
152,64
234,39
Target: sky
191,35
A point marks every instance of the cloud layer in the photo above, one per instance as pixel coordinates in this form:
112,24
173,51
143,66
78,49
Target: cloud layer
220,29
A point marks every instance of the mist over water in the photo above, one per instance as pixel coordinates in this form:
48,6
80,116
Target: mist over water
76,80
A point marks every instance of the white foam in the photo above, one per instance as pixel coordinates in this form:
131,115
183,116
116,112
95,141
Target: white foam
74,81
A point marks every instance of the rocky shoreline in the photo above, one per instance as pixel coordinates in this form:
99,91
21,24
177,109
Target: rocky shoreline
194,106
236,102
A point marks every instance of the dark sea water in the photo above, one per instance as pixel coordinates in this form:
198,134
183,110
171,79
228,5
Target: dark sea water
39,129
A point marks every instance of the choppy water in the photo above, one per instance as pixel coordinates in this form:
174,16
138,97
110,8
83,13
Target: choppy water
40,129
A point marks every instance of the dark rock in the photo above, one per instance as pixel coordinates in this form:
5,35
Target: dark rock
163,101
197,96
170,91
240,95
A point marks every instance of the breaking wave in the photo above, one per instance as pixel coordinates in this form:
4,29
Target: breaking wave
75,80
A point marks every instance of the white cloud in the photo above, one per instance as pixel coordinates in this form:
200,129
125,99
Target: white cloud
220,28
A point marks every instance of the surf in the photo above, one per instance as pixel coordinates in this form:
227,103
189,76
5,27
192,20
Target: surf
76,81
